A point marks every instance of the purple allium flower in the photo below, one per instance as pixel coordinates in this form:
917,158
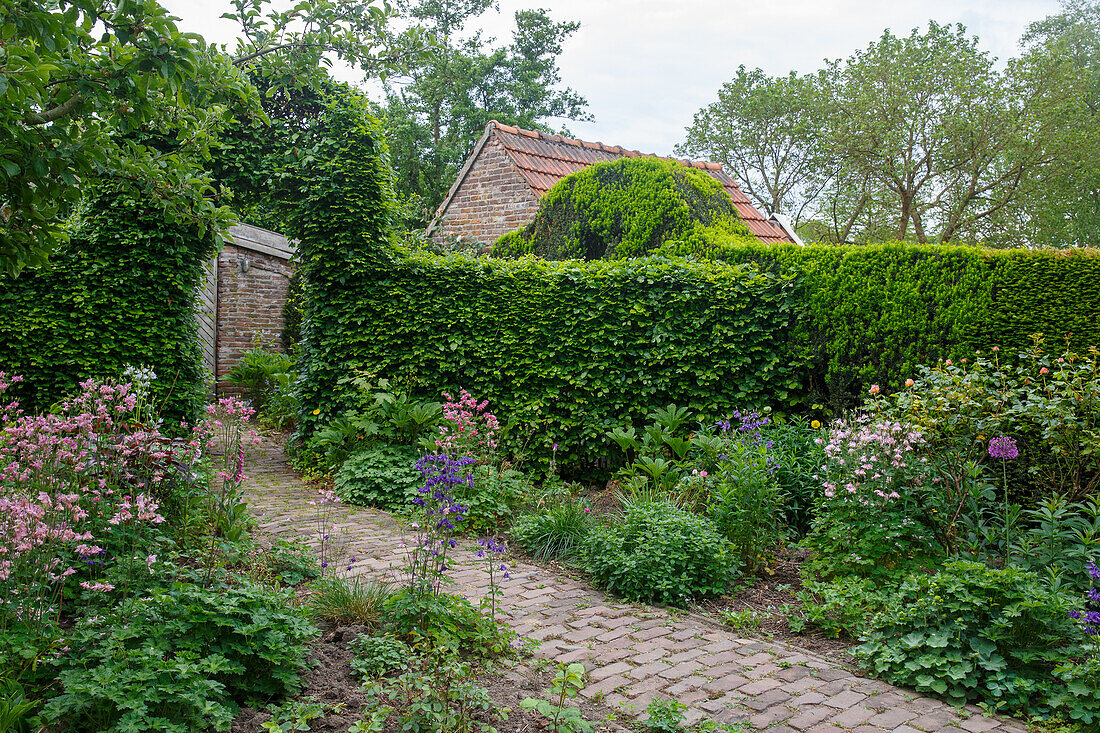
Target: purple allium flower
1003,447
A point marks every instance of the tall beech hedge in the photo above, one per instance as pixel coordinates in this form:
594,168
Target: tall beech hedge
121,291
871,314
568,350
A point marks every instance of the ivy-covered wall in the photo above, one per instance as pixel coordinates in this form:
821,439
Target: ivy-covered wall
569,350
121,292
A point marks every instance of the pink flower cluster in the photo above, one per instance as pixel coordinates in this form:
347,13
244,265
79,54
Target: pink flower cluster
866,462
468,429
88,464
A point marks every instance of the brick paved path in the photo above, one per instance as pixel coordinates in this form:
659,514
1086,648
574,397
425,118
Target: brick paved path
632,652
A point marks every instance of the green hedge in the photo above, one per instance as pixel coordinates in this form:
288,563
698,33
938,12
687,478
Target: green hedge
568,350
122,291
873,313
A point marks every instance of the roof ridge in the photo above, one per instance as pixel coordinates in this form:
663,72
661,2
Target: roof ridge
617,149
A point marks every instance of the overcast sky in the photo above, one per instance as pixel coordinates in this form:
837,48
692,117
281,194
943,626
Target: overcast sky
646,66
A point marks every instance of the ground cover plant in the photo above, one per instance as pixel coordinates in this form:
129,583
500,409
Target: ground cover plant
123,603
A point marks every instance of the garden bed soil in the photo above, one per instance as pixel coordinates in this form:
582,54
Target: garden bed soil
770,598
331,681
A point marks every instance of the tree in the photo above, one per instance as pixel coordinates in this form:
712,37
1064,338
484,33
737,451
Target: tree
436,116
96,87
928,123
112,88
763,130
1063,51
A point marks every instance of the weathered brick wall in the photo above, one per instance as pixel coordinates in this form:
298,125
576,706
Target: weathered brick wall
491,200
252,288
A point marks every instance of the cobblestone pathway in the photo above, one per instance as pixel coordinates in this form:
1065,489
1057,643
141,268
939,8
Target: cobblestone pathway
632,652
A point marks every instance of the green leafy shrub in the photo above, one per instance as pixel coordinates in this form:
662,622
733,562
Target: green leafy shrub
381,476
796,459
120,292
292,562
180,657
144,688
447,623
843,605
746,502
623,208
658,553
490,497
441,697
375,655
557,532
972,633
258,373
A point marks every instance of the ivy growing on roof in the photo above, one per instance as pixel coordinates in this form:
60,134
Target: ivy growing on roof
624,208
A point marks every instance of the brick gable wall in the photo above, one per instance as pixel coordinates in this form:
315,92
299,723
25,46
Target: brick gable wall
492,199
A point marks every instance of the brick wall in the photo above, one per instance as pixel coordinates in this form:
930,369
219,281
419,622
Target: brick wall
491,200
252,287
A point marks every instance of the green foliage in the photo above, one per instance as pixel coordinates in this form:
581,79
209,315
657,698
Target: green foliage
121,293
259,372
381,476
871,315
375,655
292,562
99,88
557,532
15,708
976,634
567,684
660,554
445,623
619,337
181,658
491,497
746,503
439,696
764,132
796,459
342,217
843,605
433,121
664,715
624,208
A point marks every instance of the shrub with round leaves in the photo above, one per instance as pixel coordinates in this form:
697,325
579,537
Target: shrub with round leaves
658,553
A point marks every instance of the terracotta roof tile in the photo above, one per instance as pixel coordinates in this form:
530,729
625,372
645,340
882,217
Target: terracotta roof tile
544,159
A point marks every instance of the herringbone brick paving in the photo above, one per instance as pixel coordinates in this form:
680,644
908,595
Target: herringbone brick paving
633,653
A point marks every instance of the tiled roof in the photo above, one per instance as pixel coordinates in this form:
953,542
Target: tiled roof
545,159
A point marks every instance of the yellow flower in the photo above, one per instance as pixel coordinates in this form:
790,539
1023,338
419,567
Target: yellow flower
317,411
815,424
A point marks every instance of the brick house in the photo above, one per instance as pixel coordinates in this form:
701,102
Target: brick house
242,298
509,170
